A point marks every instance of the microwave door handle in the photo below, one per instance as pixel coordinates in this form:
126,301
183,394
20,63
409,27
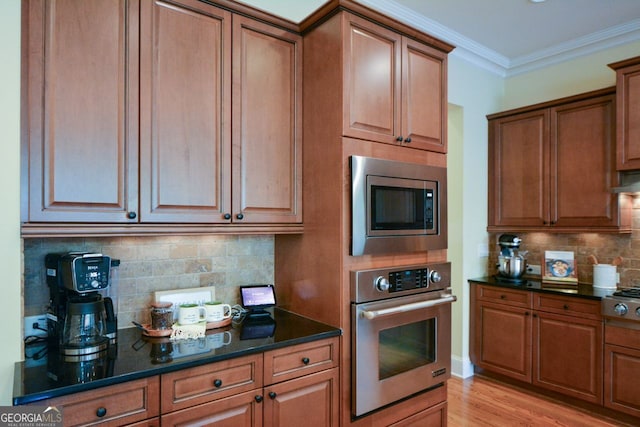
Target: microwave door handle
408,307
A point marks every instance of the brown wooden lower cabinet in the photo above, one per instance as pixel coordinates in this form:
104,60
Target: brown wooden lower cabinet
568,355
291,386
241,410
550,341
434,416
117,405
622,369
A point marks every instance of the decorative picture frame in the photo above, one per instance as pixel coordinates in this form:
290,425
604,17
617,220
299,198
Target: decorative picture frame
559,267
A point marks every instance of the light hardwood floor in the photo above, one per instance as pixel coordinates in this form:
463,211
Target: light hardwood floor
480,402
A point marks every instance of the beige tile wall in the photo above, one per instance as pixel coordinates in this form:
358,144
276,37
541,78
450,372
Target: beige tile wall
150,264
604,246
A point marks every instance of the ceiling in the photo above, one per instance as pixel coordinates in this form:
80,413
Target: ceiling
504,36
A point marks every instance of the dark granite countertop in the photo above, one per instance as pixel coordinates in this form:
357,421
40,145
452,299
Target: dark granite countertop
581,290
137,356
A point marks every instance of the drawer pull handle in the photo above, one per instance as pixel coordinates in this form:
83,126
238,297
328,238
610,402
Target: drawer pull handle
217,383
258,398
503,296
305,360
566,307
272,395
101,412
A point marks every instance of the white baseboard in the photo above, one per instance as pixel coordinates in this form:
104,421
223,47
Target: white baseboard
460,367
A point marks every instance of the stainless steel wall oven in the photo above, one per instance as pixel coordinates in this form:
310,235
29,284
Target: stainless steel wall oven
401,333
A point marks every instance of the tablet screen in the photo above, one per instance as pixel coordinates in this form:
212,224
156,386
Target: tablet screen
257,296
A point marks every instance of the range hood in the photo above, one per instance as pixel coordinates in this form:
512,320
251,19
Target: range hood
629,183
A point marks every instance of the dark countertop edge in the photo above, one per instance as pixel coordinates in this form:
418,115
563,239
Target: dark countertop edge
582,290
161,369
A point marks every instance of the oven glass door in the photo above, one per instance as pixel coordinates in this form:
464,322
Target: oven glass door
401,346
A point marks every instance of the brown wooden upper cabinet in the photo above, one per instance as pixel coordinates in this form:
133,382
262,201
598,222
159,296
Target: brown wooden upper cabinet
395,87
628,113
141,111
552,166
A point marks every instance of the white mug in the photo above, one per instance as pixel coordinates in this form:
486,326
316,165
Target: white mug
188,314
217,311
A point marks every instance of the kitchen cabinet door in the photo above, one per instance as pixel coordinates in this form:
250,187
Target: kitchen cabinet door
80,103
622,368
518,170
424,96
372,81
267,125
240,410
502,340
394,87
568,355
628,113
311,400
583,139
185,108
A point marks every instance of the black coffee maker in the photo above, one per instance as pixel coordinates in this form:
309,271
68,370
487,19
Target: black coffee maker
81,318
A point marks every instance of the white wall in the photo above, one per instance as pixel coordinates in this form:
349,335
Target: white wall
568,78
473,93
10,258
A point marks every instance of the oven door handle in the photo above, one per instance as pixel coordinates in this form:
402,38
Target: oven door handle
408,307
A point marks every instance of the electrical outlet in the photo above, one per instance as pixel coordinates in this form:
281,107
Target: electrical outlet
35,326
533,269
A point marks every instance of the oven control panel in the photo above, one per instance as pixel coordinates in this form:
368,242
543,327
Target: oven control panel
370,285
408,279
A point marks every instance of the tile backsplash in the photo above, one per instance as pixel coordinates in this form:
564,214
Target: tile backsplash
149,264
604,246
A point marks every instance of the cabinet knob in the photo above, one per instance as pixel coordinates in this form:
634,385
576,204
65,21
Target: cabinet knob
407,140
227,216
503,296
566,307
131,215
526,313
258,398
399,138
101,412
272,395
217,383
240,216
305,360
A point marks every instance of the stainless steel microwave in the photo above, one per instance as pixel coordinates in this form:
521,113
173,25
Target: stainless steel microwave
397,207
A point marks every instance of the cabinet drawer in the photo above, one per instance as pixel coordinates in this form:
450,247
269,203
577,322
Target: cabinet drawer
295,361
566,305
623,336
505,296
121,404
202,384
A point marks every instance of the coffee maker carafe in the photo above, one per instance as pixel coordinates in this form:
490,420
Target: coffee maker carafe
80,320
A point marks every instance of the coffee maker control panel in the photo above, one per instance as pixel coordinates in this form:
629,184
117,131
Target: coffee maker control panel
79,272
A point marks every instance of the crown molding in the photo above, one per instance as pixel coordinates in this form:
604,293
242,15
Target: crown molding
492,61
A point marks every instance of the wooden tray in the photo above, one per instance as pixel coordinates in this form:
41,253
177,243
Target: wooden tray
219,324
155,332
